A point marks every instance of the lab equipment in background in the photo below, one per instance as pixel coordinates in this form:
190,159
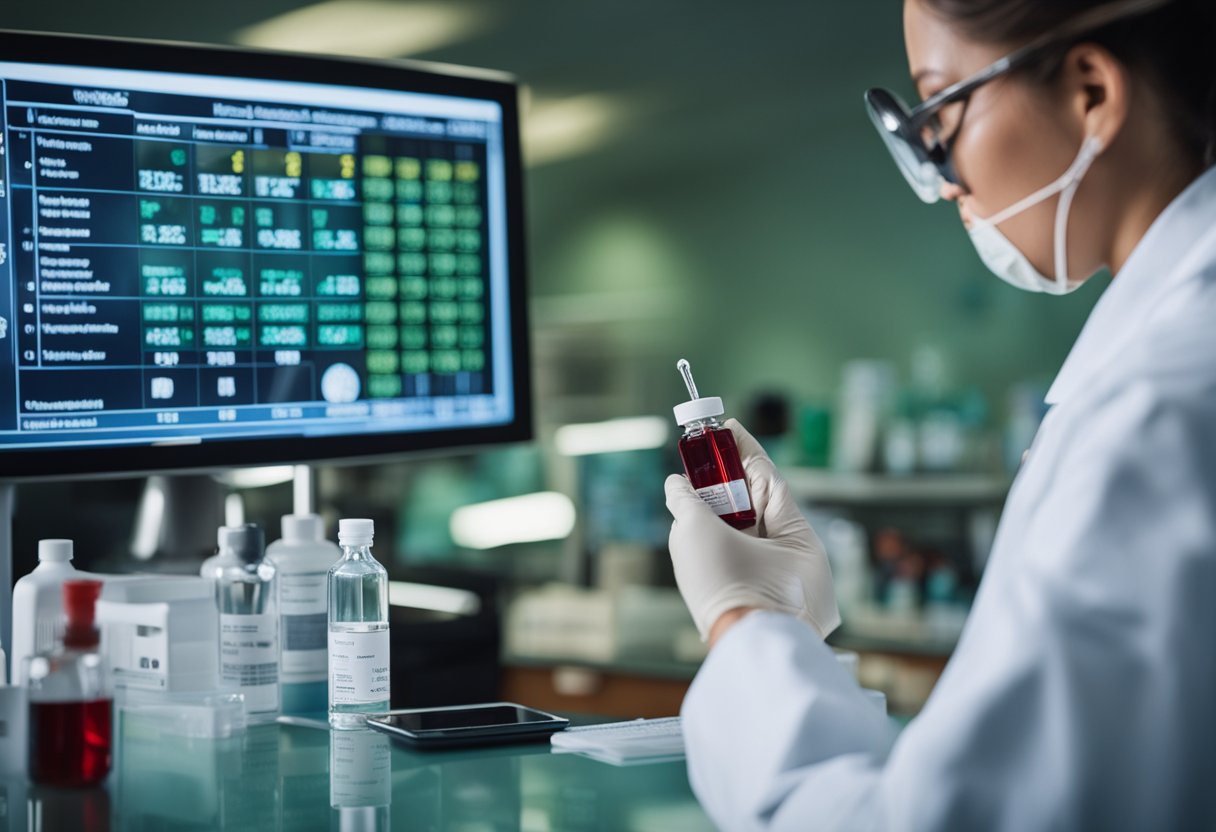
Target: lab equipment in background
848,552
360,780
815,436
159,633
244,583
38,604
69,699
711,456
866,399
358,643
302,559
14,722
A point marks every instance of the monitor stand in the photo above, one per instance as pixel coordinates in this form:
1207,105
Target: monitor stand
8,493
176,522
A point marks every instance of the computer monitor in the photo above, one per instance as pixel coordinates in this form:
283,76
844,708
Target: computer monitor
213,257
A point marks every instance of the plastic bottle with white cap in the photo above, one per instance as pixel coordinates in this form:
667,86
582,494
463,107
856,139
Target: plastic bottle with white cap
38,604
302,559
358,629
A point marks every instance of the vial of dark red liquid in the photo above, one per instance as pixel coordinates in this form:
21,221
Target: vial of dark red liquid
711,457
70,702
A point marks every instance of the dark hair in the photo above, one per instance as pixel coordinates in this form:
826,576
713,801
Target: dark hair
1172,47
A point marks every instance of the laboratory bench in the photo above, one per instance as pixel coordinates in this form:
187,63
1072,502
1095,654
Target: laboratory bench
281,777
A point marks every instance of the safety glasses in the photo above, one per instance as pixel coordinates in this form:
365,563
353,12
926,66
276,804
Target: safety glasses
921,138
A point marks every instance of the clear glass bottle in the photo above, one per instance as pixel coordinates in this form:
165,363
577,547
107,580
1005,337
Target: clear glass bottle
711,456
358,629
245,596
69,699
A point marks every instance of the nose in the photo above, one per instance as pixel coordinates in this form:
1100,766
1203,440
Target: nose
951,192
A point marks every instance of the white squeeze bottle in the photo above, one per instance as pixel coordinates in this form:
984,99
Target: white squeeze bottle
38,604
358,629
302,559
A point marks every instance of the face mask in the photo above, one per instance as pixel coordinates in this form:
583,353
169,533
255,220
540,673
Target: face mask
1006,261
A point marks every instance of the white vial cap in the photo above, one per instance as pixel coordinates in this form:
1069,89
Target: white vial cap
54,550
303,528
356,532
697,409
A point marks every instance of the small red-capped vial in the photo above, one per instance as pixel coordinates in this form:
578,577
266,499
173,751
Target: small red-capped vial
711,457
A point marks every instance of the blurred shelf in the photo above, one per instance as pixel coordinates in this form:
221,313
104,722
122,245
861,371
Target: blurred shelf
823,486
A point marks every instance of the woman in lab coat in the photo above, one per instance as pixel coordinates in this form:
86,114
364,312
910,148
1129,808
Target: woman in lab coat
1073,135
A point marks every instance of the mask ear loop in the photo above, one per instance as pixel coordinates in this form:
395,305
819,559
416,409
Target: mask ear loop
1089,151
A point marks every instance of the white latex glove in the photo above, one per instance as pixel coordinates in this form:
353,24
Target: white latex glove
779,564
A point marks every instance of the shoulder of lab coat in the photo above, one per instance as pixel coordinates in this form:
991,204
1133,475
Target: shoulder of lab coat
1083,691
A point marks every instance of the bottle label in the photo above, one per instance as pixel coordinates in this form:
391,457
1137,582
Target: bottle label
302,603
249,658
358,667
727,497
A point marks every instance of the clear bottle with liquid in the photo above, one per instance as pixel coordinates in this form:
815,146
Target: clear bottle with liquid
358,629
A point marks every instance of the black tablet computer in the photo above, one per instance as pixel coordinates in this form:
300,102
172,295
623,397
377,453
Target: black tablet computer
492,723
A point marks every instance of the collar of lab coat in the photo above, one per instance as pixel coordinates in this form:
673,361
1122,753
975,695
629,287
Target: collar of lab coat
1157,264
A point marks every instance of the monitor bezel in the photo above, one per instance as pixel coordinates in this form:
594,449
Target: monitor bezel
412,76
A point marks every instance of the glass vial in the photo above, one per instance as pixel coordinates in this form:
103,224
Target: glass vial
358,629
711,457
69,699
245,594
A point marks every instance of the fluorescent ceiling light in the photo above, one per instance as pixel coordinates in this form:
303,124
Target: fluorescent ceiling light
546,515
634,434
556,129
368,28
257,477
429,597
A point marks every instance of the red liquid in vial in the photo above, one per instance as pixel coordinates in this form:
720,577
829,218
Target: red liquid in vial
712,458
69,742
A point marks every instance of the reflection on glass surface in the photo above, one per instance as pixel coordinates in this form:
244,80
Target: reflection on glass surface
82,810
360,781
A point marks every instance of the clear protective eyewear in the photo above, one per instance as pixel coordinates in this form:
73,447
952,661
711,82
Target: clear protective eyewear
921,138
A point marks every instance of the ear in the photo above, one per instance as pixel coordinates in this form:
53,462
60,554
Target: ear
1097,86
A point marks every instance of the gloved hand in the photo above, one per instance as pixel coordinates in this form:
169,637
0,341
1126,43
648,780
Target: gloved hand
779,564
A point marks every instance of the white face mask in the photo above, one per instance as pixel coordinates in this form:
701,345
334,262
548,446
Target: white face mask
1006,261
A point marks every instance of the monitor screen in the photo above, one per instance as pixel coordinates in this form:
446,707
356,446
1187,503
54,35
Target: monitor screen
216,257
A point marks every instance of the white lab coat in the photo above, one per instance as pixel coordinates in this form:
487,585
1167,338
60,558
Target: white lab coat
1082,694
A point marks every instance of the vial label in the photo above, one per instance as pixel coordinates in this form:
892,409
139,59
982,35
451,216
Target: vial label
302,602
727,497
358,667
249,658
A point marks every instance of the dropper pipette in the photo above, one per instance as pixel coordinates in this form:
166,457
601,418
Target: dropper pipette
686,372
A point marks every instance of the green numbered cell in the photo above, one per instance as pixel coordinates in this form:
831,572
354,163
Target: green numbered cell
380,312
226,313
413,313
340,335
283,336
382,361
471,288
464,193
408,190
443,288
472,337
411,263
413,337
337,239
413,288
443,239
384,387
378,213
468,216
226,336
168,312
411,239
443,265
469,264
382,337
339,312
468,171
382,288
472,361
445,361
168,337
378,262
339,285
469,241
283,313
221,237
415,362
409,214
343,189
164,279
438,192
444,312
440,216
377,166
408,167
472,312
281,283
225,281
377,190
438,170
263,217
378,238
444,337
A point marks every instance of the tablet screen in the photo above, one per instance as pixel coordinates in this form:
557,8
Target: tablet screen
442,720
